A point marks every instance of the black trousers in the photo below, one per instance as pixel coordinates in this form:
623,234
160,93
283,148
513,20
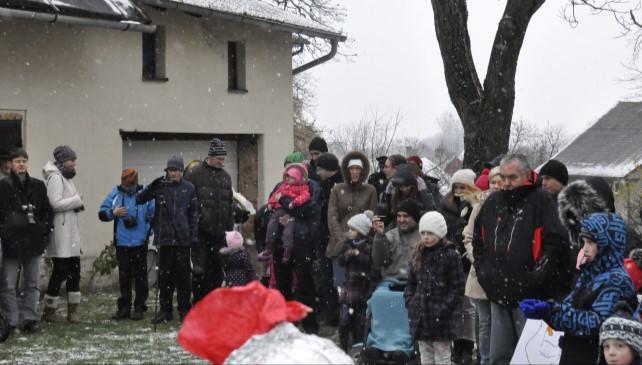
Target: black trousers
132,266
304,292
64,269
208,267
327,293
174,273
353,319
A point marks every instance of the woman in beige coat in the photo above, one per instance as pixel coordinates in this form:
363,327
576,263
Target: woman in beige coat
473,290
347,200
64,247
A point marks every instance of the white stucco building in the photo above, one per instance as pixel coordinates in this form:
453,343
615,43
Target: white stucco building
183,72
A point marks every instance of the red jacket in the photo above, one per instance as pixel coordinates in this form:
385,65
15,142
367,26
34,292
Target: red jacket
299,194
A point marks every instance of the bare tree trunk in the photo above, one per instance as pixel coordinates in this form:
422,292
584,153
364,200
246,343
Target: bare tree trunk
485,112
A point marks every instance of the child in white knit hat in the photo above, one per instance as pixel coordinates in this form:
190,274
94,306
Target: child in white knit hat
435,287
355,257
621,337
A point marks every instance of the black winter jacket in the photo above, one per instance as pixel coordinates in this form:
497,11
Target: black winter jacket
434,292
452,209
357,282
517,245
177,211
326,188
214,190
20,237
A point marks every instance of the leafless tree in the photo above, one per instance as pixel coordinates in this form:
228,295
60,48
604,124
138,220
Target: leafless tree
374,135
537,144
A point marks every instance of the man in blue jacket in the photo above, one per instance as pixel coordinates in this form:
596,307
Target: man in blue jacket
131,231
175,232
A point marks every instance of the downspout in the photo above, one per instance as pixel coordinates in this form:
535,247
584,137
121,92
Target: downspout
333,51
56,18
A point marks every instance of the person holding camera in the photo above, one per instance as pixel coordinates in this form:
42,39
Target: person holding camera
64,246
131,231
25,224
175,232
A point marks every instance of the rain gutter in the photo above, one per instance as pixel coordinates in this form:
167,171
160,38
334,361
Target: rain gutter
57,18
334,42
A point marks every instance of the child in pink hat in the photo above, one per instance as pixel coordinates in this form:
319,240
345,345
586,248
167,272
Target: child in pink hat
238,268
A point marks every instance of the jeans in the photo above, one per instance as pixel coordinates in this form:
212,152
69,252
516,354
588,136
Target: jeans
208,267
483,314
434,352
506,325
30,274
174,272
64,269
132,266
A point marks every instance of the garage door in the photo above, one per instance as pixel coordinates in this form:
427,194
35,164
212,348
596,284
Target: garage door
149,157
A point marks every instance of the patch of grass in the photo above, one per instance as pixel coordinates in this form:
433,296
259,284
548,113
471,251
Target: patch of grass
98,339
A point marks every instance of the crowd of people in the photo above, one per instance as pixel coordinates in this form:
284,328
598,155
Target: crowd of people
467,269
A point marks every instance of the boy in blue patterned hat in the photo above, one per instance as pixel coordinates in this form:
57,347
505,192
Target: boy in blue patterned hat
602,283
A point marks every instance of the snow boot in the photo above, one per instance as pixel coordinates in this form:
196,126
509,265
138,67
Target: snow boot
51,306
73,300
137,315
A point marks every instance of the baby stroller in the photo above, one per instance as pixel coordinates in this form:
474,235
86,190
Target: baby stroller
387,339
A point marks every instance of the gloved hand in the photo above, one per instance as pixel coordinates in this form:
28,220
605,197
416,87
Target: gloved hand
157,184
535,308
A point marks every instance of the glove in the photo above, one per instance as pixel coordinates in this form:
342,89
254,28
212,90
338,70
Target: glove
157,184
535,309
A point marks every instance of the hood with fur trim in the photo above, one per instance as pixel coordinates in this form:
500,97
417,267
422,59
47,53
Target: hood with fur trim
577,201
352,155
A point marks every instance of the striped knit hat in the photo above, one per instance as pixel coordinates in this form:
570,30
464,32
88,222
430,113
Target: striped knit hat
217,148
619,327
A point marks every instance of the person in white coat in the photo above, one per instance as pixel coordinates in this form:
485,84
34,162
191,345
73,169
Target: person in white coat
64,247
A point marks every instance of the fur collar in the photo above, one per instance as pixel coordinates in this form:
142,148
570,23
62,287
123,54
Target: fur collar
576,201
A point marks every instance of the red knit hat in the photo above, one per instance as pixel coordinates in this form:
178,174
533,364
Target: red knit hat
482,181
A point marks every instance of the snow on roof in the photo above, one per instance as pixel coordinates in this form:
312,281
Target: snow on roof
612,147
257,10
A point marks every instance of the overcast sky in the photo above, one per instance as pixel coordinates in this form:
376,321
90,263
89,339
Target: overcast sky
566,76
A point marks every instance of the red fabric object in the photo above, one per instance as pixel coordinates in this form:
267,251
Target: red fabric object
416,160
482,181
227,317
300,194
634,272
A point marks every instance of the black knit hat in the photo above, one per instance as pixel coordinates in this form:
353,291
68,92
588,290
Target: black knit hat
217,148
328,161
556,170
18,152
175,162
410,207
404,175
318,144
64,153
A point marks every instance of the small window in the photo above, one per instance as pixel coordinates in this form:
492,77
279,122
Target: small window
236,66
154,55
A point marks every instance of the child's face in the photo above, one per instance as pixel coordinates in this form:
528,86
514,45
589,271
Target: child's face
290,180
353,234
590,249
429,239
617,352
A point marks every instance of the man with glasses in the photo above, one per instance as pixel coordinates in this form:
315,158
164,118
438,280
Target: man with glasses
516,247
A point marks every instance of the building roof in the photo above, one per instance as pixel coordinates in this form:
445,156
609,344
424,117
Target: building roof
111,10
611,148
252,10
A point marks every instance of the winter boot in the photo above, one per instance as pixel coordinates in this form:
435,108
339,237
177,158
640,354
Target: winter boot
51,306
463,352
137,315
73,300
162,317
122,313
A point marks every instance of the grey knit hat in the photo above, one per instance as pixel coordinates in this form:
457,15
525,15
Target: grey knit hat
217,148
175,162
64,153
362,223
620,328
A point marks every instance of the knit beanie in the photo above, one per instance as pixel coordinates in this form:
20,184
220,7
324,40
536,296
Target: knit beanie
18,152
64,153
463,176
556,170
328,161
318,144
410,207
482,180
129,177
233,239
433,222
362,223
217,148
175,162
622,326
294,157
404,175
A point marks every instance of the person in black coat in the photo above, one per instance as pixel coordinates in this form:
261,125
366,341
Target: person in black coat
214,190
175,232
26,219
404,186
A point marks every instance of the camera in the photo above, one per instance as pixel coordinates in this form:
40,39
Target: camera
29,209
130,222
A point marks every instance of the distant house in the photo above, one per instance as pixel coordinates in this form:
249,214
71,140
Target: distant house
453,165
611,148
128,83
